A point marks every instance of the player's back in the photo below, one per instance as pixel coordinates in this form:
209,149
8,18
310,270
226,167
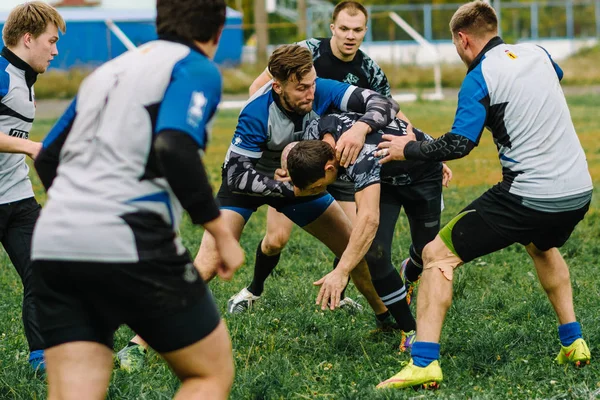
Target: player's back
108,187
530,120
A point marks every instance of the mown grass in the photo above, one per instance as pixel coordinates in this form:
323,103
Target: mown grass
498,342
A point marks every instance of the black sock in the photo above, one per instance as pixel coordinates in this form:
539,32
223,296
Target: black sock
263,266
383,316
391,291
343,294
413,271
414,267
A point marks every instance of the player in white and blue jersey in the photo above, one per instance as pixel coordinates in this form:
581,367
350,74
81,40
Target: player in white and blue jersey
30,36
275,116
120,166
546,189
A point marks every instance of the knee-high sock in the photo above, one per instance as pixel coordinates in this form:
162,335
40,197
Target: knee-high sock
414,267
393,294
263,266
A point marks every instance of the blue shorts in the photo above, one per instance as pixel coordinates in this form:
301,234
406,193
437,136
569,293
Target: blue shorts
301,210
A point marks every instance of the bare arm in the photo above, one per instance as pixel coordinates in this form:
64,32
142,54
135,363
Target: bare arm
9,144
232,255
363,233
259,82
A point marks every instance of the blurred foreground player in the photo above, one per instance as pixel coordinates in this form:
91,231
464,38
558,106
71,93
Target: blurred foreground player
119,167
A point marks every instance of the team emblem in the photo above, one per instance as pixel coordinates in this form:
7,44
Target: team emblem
351,79
196,109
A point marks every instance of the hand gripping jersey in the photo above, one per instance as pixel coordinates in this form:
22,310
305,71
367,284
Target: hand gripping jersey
264,129
17,110
109,201
514,91
367,170
362,71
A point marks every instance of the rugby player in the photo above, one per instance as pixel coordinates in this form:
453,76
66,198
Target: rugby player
30,36
546,188
380,194
119,167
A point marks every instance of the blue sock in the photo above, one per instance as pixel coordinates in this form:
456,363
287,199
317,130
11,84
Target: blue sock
36,360
568,333
423,353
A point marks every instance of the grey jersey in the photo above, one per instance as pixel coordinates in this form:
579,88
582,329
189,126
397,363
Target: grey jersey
17,110
514,91
109,201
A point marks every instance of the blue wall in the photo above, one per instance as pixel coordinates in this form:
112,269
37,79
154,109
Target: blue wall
91,43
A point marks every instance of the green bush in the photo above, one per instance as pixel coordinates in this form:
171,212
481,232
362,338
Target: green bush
60,84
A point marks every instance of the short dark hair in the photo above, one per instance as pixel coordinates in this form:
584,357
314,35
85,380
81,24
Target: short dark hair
306,162
200,20
290,60
351,7
477,18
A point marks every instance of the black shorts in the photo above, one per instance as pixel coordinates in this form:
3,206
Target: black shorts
422,202
342,190
164,301
301,210
497,219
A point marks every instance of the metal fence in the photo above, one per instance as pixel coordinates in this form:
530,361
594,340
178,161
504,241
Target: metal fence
568,19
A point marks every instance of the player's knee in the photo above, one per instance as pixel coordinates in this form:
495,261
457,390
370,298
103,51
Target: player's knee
273,243
430,253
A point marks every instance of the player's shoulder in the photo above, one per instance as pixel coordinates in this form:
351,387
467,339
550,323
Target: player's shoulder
259,105
4,76
194,64
367,61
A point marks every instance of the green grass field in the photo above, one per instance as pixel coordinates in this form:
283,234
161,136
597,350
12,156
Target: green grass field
499,339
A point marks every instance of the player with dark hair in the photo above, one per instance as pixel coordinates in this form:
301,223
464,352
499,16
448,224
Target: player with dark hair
119,167
380,194
546,188
30,36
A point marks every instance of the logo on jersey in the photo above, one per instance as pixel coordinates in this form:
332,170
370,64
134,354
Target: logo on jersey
351,79
18,133
196,109
510,54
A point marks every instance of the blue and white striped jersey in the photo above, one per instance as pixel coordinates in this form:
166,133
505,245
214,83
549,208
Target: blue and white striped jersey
264,129
514,91
17,110
109,201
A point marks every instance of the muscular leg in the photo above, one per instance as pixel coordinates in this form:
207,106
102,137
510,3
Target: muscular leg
207,260
279,229
78,371
435,292
205,368
334,220
553,273
386,279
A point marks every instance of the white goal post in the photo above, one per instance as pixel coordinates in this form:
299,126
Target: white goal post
437,69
